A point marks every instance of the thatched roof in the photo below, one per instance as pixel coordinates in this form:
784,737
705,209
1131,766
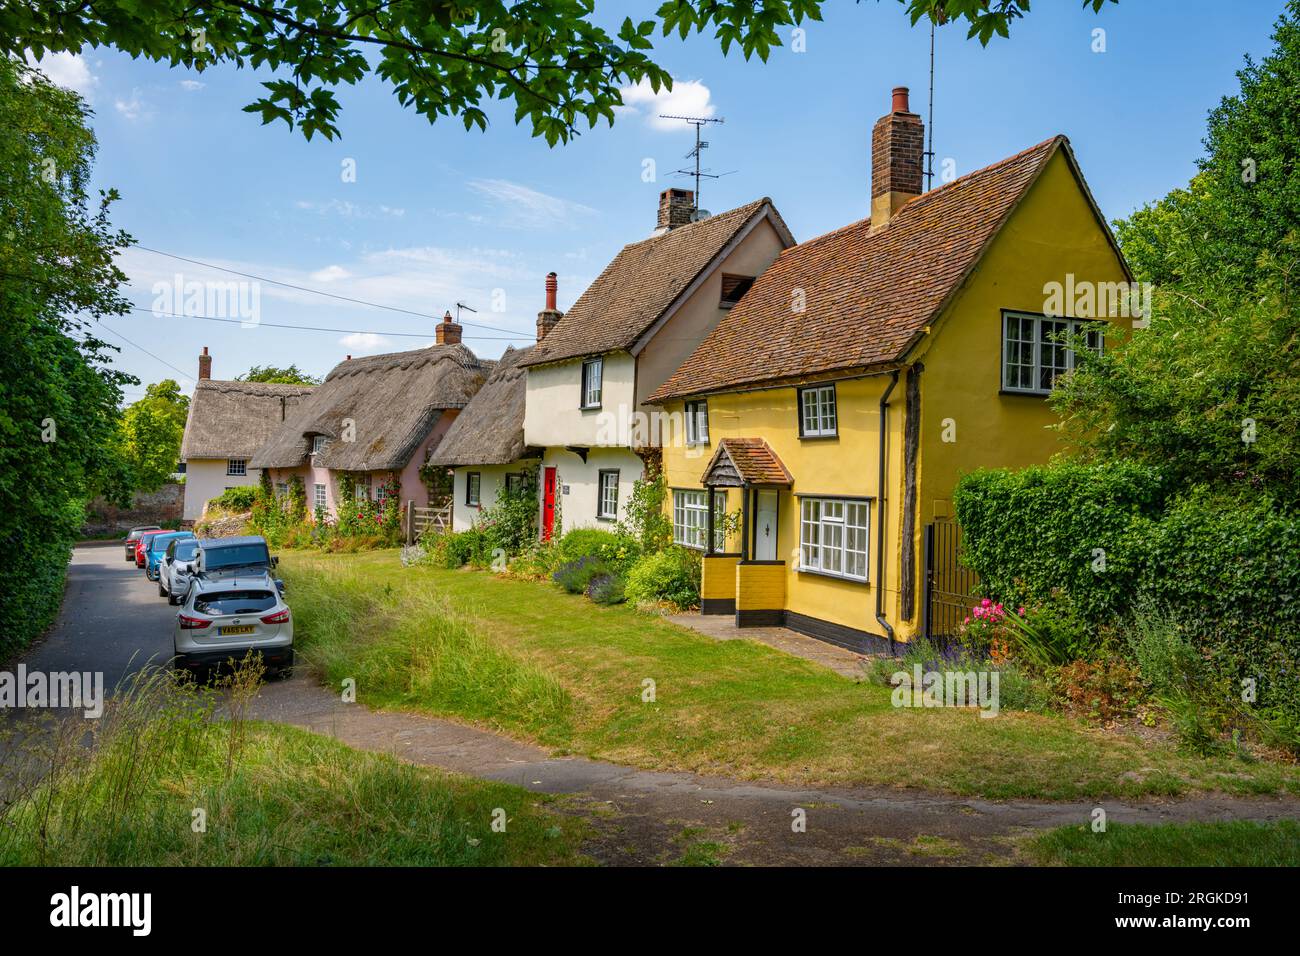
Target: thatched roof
233,419
393,401
490,431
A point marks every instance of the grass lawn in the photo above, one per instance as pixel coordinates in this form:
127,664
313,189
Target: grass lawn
294,798
1236,843
526,659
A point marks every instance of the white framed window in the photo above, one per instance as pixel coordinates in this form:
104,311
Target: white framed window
607,494
237,466
833,536
1035,350
361,490
473,488
317,444
818,415
697,423
282,489
381,493
318,497
592,372
691,519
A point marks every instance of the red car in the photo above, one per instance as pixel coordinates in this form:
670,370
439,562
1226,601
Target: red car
140,545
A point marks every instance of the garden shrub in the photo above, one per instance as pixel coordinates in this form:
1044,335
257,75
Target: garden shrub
510,524
238,500
454,549
618,551
574,576
1101,690
671,576
606,588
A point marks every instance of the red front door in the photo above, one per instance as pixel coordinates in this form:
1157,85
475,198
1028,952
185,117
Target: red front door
548,504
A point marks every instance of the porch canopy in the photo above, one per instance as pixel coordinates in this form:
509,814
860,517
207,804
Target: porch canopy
744,463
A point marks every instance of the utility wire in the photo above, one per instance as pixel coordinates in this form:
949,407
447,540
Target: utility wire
301,288
318,328
142,349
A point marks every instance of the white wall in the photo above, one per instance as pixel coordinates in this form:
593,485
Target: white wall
578,507
206,478
552,415
492,480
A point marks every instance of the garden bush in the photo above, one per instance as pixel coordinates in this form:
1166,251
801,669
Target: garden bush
454,549
671,576
238,500
574,576
618,551
606,588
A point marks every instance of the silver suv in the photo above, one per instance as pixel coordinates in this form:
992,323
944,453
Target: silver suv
224,618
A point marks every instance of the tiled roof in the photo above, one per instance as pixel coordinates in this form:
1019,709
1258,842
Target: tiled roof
640,284
753,460
867,296
490,430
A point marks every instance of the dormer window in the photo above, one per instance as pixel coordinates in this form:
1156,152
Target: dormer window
733,287
317,444
592,373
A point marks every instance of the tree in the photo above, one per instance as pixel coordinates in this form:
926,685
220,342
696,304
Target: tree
1245,197
152,429
442,57
58,398
291,375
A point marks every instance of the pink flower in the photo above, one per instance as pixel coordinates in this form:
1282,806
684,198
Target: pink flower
1021,612
986,603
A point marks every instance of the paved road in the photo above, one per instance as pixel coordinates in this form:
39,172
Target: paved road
112,620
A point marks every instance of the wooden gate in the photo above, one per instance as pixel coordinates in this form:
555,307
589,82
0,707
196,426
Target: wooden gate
949,584
418,520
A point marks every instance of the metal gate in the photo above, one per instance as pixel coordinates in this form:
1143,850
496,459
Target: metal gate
949,584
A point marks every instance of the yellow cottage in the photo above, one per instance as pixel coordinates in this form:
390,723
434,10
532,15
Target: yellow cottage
836,405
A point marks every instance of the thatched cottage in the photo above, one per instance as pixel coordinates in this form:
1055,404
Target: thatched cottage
228,421
374,419
484,447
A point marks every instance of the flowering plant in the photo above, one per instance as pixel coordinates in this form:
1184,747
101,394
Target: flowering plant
985,630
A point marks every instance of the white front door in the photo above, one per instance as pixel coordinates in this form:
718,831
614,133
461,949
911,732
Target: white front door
765,527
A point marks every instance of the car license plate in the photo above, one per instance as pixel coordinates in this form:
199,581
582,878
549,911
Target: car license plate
239,629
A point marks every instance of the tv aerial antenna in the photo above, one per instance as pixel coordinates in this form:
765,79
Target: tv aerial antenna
699,122
462,305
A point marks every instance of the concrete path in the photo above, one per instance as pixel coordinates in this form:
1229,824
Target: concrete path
113,620
722,627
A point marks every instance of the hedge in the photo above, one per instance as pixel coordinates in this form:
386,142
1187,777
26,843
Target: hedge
1228,571
32,577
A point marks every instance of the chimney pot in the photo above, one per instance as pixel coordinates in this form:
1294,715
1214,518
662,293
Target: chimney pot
897,160
205,364
675,208
549,316
447,332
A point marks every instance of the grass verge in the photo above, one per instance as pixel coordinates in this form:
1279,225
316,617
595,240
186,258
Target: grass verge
1234,843
164,784
526,659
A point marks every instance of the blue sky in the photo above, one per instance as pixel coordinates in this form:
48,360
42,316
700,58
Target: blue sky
437,215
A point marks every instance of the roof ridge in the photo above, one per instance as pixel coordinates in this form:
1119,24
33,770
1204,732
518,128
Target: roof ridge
991,167
684,229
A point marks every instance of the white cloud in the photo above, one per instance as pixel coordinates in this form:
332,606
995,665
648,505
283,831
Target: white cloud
351,210
519,207
192,85
686,98
68,70
330,273
133,108
362,342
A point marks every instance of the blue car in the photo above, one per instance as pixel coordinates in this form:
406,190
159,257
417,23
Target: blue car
157,547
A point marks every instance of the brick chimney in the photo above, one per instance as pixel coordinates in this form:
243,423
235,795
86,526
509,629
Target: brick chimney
205,364
550,315
675,208
447,331
897,159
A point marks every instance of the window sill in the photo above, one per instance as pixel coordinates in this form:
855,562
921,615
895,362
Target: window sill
831,574
606,518
1024,393
825,437
589,408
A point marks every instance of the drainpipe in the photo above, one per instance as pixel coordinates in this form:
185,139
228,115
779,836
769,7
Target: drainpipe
880,514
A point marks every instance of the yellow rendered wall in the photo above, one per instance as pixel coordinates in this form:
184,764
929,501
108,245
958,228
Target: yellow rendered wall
718,578
760,587
1053,231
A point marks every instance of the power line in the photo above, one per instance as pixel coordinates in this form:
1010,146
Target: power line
142,349
302,288
318,328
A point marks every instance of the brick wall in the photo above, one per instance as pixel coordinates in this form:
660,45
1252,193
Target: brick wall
155,507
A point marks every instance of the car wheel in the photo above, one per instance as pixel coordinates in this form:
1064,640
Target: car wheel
161,591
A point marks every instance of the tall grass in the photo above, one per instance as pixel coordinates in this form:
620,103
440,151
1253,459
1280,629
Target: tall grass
414,649
160,782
